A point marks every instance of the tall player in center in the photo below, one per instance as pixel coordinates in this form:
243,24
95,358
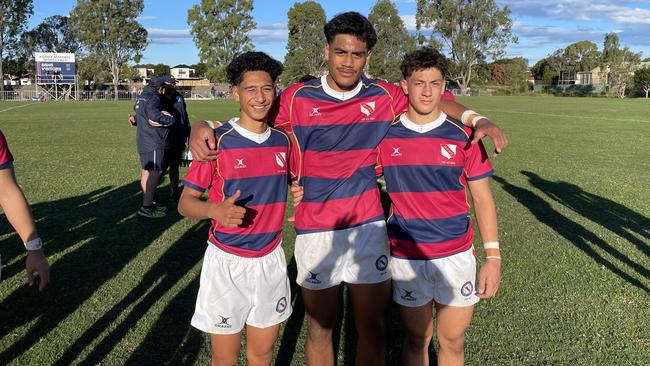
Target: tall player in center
336,122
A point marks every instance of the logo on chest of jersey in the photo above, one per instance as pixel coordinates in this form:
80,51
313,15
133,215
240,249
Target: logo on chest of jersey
240,163
449,152
396,151
314,112
367,108
281,159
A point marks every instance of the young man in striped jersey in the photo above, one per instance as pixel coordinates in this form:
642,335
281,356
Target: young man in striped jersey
428,162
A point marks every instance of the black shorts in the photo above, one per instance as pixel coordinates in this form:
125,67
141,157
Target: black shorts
153,160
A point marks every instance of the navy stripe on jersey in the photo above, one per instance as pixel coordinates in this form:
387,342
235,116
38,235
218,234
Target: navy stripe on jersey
193,186
380,217
450,130
253,242
275,139
420,230
342,137
260,196
484,175
424,178
322,189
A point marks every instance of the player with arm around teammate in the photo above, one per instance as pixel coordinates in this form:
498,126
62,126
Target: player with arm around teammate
244,281
427,163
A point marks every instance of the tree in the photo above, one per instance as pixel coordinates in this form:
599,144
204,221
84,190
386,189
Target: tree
110,32
618,65
54,34
160,69
642,79
393,41
470,29
200,69
220,29
305,45
510,71
581,56
13,18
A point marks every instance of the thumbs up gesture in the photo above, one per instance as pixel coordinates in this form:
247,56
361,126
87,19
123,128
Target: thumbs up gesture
227,213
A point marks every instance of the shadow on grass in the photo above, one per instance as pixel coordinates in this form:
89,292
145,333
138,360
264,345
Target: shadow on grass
575,233
107,236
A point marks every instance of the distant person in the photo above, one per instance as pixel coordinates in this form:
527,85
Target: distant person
152,138
428,162
15,206
174,103
244,281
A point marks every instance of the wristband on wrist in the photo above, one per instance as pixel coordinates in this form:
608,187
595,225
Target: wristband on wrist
34,244
491,245
493,257
466,115
211,124
477,118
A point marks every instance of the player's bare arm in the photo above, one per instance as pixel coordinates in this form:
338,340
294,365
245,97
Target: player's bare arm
227,213
297,192
15,207
202,142
484,127
486,218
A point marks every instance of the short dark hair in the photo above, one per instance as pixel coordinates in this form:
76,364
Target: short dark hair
252,61
354,24
422,59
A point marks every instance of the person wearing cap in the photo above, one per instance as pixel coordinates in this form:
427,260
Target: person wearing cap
174,103
152,138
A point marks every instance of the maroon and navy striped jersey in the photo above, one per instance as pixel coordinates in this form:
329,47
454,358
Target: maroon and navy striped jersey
6,159
334,140
256,165
426,168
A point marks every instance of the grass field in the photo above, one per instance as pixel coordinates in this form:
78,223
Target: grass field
574,210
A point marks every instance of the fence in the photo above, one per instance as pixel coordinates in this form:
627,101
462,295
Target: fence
108,95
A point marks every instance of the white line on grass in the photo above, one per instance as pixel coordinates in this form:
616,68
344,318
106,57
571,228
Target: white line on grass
566,115
16,107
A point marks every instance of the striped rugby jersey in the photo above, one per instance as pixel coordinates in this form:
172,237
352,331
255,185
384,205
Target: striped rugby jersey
6,159
334,140
426,168
257,165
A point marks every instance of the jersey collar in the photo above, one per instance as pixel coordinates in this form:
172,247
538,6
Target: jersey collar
258,138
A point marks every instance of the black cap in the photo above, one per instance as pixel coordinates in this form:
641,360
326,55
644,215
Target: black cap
169,79
156,82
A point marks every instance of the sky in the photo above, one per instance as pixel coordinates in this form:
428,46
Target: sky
542,26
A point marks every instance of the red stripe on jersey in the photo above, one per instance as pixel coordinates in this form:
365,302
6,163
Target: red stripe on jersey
258,219
315,112
336,164
339,213
252,162
408,249
429,205
403,151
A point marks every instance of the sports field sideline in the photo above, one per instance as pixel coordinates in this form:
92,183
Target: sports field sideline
572,195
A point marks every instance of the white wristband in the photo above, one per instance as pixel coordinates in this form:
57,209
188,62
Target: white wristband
34,244
491,245
211,124
465,117
477,118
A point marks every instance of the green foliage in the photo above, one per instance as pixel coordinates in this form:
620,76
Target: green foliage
581,56
393,42
13,18
109,31
642,79
305,45
54,34
160,69
619,64
220,29
200,69
470,29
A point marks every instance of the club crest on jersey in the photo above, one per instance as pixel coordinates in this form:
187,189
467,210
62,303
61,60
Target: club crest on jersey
367,108
448,150
396,151
281,159
314,112
240,163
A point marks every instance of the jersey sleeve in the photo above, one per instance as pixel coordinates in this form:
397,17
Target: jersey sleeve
477,163
6,159
400,100
200,175
281,115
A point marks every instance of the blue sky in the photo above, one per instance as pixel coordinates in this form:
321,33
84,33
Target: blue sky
541,25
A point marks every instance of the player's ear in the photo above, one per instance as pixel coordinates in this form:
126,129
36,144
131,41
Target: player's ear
235,93
326,50
404,84
368,58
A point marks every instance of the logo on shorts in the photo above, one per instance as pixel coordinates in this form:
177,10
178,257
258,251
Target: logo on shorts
281,305
240,163
313,278
223,323
408,295
467,288
381,263
367,108
396,151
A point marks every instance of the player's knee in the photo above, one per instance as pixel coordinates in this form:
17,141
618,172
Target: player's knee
320,332
260,356
453,343
223,360
418,339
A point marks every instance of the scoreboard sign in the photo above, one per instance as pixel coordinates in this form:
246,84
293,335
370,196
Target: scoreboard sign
54,68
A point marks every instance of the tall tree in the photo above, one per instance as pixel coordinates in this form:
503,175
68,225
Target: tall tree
220,29
54,34
469,29
642,79
305,45
13,18
393,41
160,69
618,65
110,32
581,56
200,69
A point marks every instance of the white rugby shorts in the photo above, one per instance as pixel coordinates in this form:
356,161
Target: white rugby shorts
237,291
358,255
448,281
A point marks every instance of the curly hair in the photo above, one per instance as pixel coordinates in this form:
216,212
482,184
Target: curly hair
252,61
422,59
354,24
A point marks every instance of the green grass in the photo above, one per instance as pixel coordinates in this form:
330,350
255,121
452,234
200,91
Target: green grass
572,195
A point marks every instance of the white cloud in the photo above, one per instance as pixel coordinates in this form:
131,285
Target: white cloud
269,33
168,33
145,18
621,12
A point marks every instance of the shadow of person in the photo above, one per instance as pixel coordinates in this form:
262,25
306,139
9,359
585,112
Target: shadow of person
575,233
95,236
612,215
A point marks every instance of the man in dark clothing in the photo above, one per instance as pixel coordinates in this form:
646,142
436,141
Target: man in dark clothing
174,103
152,139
